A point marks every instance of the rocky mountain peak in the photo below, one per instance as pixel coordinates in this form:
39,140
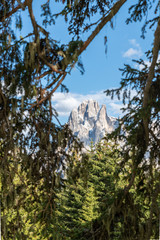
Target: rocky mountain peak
89,108
90,122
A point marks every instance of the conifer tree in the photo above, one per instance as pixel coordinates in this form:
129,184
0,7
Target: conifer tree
95,207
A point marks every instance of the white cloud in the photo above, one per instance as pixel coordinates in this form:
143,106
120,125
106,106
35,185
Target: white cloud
134,43
134,51
131,52
116,108
64,103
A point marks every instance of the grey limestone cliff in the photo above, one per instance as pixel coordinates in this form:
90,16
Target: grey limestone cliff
89,122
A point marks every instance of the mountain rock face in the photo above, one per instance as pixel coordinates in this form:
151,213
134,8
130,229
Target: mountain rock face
89,122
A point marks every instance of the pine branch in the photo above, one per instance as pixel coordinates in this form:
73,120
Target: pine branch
43,74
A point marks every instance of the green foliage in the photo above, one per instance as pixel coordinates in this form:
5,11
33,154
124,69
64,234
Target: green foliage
91,204
114,192
97,205
84,202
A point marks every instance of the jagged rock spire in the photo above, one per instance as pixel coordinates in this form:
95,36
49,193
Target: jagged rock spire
89,122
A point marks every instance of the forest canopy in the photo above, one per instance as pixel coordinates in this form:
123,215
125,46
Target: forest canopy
34,162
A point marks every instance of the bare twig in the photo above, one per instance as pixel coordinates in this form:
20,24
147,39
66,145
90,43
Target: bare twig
43,74
92,24
52,83
50,94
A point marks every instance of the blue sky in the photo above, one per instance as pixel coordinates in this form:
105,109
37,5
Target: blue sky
101,70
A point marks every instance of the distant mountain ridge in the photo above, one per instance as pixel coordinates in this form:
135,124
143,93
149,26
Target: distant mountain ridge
90,122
